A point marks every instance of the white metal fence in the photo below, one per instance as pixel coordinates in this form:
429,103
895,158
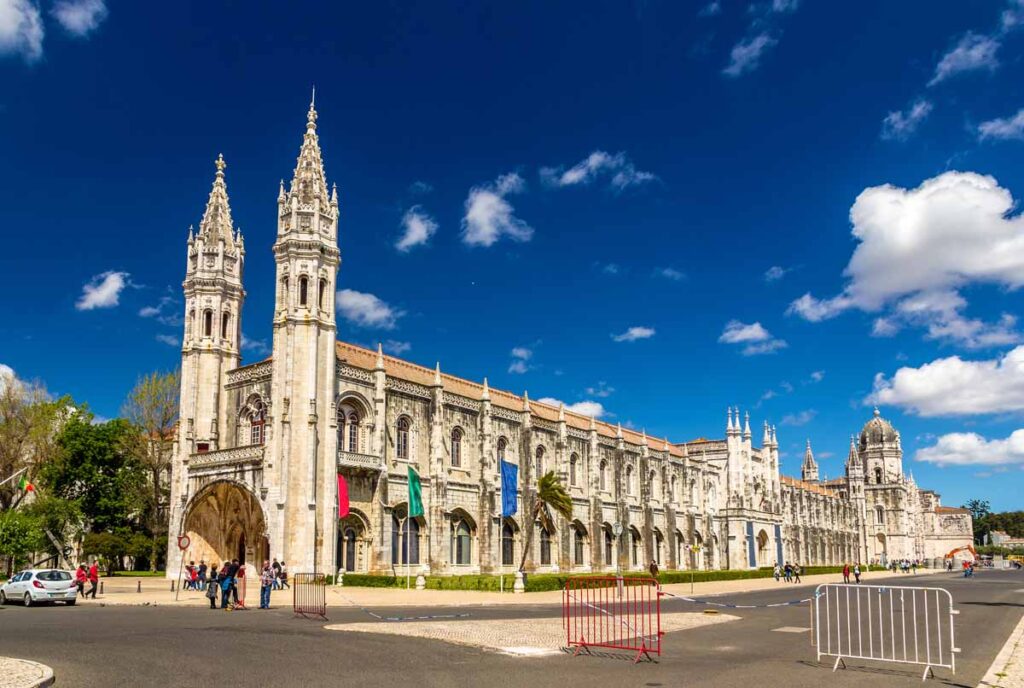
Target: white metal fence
907,625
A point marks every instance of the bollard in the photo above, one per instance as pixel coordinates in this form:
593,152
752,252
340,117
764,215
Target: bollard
172,586
101,587
138,586
421,582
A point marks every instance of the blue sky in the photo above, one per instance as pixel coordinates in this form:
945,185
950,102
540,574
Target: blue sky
654,209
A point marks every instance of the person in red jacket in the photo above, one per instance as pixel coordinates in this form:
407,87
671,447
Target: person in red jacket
80,578
94,580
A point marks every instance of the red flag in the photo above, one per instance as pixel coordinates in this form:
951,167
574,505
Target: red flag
342,497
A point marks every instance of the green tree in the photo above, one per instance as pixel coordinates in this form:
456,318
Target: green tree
152,410
29,424
20,535
550,495
980,511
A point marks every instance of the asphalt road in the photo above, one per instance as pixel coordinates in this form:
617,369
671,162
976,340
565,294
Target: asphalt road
164,646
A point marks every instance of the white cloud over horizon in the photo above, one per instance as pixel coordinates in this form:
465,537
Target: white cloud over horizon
417,229
168,339
755,338
102,291
955,387
367,310
489,216
971,449
79,17
798,419
21,29
634,334
899,125
919,247
622,173
593,409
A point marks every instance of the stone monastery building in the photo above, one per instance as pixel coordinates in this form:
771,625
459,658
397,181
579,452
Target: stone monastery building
259,448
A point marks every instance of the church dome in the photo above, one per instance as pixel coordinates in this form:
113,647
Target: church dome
878,430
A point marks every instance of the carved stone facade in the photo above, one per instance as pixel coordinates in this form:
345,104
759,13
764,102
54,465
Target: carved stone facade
259,448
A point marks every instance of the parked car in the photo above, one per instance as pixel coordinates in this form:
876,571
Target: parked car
40,585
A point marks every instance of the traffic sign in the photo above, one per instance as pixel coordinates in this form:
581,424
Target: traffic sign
183,542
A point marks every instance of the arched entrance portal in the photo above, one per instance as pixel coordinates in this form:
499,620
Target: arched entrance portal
762,549
352,546
880,549
224,522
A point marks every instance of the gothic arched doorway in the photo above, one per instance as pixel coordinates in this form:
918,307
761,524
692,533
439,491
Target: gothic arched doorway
225,521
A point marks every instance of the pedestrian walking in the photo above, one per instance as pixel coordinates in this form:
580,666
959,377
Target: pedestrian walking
211,589
284,576
94,580
787,572
81,576
856,572
776,572
202,574
266,583
796,573
846,573
277,573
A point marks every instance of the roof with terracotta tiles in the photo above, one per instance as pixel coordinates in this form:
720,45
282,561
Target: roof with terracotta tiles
804,485
366,359
951,510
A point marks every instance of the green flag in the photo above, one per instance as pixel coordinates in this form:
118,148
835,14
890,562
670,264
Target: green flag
415,494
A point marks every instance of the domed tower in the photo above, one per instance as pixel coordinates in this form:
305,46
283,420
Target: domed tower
880,452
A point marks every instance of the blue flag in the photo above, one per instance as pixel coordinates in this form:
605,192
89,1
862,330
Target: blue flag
509,487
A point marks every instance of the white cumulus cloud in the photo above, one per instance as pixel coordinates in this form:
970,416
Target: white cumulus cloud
633,334
520,360
620,171
900,125
102,291
754,336
972,52
953,386
917,249
746,55
798,419
775,273
489,216
1004,128
593,409
366,310
169,340
971,449
670,274
417,228
79,17
21,29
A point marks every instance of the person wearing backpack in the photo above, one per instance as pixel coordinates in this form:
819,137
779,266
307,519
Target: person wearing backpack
211,589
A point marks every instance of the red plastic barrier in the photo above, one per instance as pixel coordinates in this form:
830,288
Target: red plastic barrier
309,595
614,613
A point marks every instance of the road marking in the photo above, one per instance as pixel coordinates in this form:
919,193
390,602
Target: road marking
529,651
791,629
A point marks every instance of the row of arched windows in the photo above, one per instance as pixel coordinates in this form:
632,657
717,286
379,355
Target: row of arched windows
206,326
304,288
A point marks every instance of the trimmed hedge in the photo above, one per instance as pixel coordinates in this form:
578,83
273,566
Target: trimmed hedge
543,582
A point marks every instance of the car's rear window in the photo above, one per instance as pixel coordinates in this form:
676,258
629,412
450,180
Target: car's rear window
53,576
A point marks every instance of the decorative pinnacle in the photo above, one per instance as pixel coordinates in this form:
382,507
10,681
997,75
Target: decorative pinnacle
380,356
437,374
593,423
219,162
526,401
561,413
487,391
618,432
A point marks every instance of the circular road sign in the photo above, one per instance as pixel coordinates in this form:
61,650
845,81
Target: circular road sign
183,542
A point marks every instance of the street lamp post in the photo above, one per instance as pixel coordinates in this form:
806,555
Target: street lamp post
694,548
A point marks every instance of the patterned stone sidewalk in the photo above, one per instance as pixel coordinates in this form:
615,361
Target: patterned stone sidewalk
524,637
1007,671
21,673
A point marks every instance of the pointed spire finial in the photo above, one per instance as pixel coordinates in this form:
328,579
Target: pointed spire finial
380,356
728,425
618,431
526,400
593,423
877,412
437,374
643,432
746,425
334,194
486,394
561,413
280,192
312,100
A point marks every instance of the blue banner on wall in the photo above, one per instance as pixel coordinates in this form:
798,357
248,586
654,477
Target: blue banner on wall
751,554
778,544
509,488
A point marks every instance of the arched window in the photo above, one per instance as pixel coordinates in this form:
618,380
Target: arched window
672,488
402,438
634,538
456,447
207,323
545,547
322,297
608,549
349,429
405,540
190,324
353,432
502,448
652,482
285,295
225,322
257,417
573,461
629,480
462,543
303,290
507,544
578,549
539,463
878,476
659,542
879,515
603,471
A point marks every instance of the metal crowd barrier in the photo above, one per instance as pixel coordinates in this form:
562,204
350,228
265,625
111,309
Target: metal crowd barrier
615,613
906,625
309,595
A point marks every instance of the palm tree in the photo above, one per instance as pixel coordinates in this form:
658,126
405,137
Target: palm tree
551,494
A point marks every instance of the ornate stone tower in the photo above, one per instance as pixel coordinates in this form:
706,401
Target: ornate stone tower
809,470
213,309
303,388
881,452
855,480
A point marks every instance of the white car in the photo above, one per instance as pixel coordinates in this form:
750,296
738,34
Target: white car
40,585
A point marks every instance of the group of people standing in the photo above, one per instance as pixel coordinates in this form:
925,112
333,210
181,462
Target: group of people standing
789,572
90,575
273,576
855,570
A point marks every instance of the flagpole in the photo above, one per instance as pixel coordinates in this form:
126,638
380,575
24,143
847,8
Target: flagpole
405,532
13,476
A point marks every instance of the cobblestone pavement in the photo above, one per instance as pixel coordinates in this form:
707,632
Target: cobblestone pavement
21,673
526,637
1007,671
